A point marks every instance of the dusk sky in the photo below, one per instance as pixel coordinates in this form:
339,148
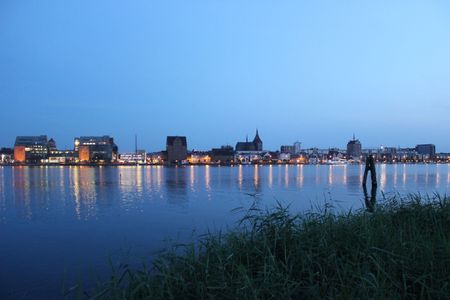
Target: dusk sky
313,71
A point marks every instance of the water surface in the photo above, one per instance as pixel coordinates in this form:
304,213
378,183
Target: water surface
61,224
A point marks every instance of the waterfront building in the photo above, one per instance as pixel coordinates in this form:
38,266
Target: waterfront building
61,157
255,145
284,157
287,149
96,149
176,147
387,154
199,158
248,157
156,158
335,152
354,149
223,155
31,149
426,151
137,157
6,155
271,157
249,152
300,158
443,157
407,154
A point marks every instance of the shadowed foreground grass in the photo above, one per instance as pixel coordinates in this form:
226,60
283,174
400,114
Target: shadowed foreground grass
402,250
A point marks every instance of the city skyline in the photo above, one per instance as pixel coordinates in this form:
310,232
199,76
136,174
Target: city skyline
234,145
214,71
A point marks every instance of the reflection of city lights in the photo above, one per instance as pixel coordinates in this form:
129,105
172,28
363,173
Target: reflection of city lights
317,174
404,174
383,176
240,176
448,176
395,175
344,179
270,175
158,177
300,177
207,177
192,177
438,175
76,190
148,177
139,178
286,175
361,173
330,175
256,175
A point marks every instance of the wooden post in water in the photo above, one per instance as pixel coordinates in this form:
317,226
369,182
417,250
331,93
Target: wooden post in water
372,200
370,166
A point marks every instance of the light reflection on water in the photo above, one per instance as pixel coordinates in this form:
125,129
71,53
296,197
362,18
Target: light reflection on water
82,214
78,190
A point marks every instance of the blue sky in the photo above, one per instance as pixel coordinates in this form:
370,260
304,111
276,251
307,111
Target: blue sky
313,71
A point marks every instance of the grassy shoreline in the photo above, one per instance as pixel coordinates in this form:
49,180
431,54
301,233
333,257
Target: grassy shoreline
401,250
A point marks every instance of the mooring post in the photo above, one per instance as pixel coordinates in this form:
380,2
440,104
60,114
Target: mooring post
370,166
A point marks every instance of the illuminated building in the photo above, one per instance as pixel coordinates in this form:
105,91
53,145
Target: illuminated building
199,157
61,156
19,154
84,154
156,158
139,156
249,152
31,149
354,148
176,147
96,149
284,156
223,155
6,155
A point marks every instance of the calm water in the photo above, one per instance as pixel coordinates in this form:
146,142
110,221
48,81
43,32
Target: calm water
61,224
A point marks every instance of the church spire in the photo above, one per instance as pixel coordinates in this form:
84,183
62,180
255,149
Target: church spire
257,141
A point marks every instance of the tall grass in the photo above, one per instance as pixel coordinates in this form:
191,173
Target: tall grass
401,250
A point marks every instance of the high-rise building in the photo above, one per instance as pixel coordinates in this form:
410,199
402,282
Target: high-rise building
31,149
428,150
354,148
96,149
297,147
176,147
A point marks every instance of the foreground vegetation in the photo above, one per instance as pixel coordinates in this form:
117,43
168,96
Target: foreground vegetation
401,250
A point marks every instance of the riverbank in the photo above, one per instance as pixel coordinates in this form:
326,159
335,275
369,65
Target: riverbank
401,250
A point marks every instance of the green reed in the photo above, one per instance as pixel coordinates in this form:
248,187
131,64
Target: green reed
401,250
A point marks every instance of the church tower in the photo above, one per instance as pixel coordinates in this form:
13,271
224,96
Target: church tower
257,142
